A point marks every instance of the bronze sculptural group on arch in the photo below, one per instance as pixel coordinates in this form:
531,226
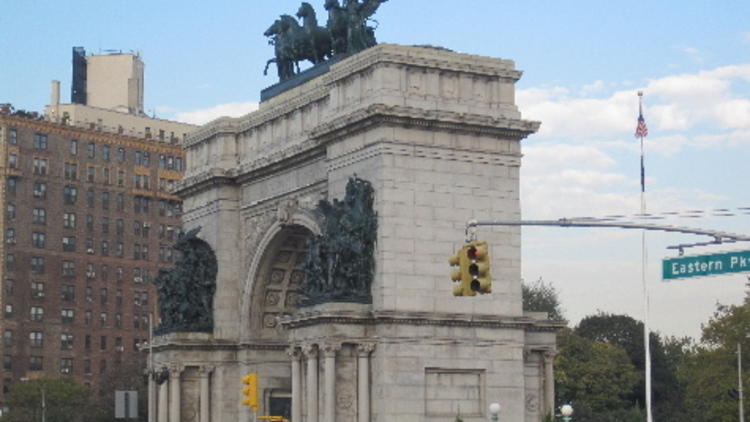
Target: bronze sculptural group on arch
346,32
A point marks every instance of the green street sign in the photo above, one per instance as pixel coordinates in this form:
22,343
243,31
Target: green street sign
705,265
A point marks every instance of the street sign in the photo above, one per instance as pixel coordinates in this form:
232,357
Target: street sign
126,405
706,265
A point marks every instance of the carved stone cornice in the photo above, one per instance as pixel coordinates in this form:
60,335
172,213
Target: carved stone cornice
319,317
375,114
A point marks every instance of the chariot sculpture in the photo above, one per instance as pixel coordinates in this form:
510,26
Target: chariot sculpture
346,32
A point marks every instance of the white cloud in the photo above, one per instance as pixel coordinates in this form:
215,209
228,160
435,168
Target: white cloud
205,115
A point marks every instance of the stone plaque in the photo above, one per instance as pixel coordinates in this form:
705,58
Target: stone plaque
450,391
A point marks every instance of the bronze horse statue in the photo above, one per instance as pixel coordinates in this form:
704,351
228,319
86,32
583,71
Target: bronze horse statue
320,38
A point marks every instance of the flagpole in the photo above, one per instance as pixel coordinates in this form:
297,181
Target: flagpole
644,259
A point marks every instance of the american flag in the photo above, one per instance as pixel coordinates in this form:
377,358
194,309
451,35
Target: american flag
641,131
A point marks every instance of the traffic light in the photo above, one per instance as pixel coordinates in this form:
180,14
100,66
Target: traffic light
473,270
250,391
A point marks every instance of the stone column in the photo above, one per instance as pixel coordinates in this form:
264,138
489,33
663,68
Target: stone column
174,393
163,401
363,381
205,403
311,353
329,352
151,396
549,382
295,354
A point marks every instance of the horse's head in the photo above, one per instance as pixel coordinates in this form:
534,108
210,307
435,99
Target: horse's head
274,29
305,10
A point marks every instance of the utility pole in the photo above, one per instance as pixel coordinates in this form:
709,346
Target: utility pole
739,381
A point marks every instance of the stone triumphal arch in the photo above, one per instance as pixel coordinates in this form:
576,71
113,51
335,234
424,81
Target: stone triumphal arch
437,136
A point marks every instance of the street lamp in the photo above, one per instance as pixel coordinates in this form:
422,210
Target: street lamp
494,411
567,412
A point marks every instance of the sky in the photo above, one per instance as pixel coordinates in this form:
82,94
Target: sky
583,63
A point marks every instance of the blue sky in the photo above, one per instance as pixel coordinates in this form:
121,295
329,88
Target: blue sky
583,61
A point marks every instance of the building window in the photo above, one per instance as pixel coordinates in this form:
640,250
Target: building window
118,274
87,321
67,316
138,156
105,200
36,313
11,185
90,273
10,211
90,198
137,251
9,284
91,150
105,176
105,248
40,190
106,149
90,174
105,225
68,293
136,227
68,268
89,294
118,297
12,161
38,240
40,166
66,341
89,223
10,262
7,363
119,226
70,193
120,178
103,296
103,322
69,220
70,171
37,265
102,366
69,243
10,236
40,141
37,289
119,249
74,147
87,366
36,339
36,363
90,246
39,216
66,366
12,136
118,320
8,310
8,338
104,271
145,161
120,202
121,154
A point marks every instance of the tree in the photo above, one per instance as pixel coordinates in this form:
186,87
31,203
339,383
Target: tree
598,378
126,376
65,400
625,332
541,297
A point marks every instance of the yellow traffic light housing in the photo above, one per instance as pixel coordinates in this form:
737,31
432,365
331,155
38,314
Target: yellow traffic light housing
250,391
473,270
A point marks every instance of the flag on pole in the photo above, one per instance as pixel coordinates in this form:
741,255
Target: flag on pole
641,131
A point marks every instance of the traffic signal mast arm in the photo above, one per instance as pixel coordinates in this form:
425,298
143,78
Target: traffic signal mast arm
719,237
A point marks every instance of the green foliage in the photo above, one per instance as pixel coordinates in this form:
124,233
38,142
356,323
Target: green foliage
65,400
540,296
597,377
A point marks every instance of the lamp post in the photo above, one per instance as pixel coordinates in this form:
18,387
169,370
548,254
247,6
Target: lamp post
567,412
494,411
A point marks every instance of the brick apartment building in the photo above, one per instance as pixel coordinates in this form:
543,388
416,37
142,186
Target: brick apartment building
87,221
